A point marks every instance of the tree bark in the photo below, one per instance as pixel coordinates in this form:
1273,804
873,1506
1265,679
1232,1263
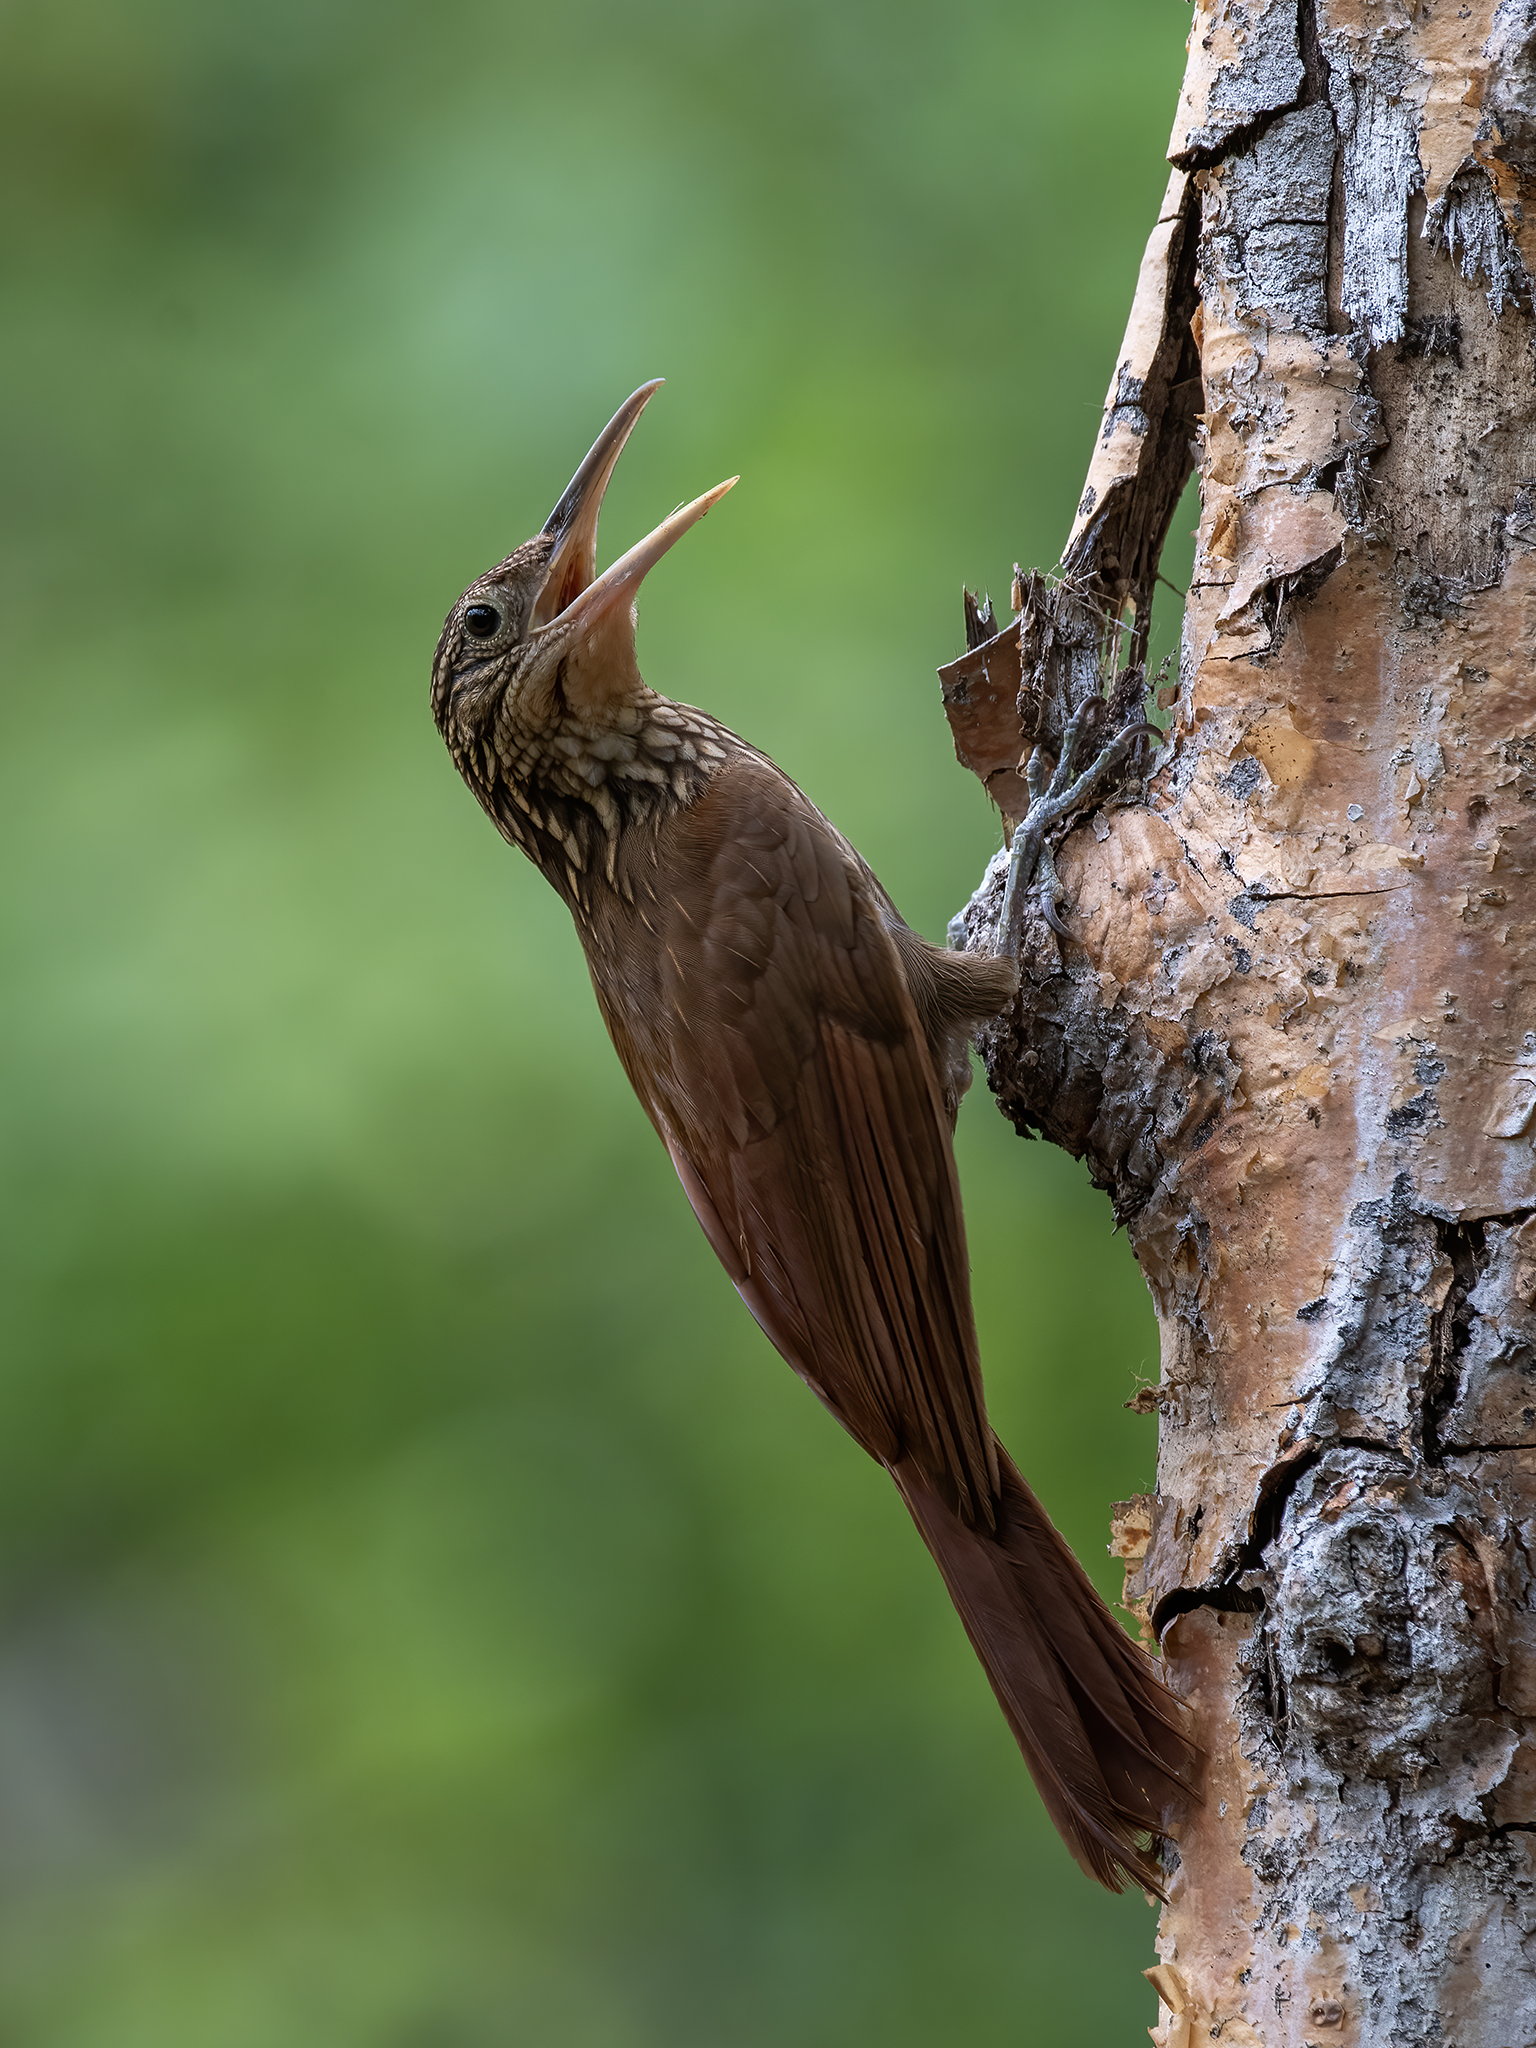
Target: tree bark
1294,1030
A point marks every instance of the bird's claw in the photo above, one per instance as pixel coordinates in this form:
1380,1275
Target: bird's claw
1031,864
1049,891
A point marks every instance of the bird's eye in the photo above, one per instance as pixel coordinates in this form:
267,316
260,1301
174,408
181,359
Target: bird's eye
482,620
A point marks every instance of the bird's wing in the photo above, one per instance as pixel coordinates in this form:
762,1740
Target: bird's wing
786,1069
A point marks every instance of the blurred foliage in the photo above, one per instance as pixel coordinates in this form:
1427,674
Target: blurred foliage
429,1614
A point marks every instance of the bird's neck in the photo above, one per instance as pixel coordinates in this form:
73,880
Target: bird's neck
567,792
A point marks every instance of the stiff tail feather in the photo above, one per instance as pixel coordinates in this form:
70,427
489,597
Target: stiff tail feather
1107,1744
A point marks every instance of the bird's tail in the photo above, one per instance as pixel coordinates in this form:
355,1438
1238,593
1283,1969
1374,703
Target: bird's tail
1106,1743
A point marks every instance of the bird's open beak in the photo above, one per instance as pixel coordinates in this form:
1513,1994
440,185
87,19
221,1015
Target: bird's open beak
574,594
574,520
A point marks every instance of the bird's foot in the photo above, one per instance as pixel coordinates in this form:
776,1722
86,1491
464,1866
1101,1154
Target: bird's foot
1031,862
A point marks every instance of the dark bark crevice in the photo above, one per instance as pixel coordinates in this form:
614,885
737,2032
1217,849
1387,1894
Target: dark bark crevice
1232,1591
1465,1247
1115,558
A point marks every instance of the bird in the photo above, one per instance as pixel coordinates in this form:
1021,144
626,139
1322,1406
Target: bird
801,1053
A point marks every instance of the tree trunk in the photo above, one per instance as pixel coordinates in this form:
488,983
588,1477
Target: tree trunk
1294,1030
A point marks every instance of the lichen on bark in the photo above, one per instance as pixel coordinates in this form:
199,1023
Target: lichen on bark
1293,1032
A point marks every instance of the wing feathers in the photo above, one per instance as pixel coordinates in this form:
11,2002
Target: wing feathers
927,1338
790,1070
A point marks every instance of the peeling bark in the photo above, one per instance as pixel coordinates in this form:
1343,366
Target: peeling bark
1293,1033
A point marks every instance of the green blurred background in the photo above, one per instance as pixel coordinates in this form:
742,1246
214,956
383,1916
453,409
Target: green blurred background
430,1616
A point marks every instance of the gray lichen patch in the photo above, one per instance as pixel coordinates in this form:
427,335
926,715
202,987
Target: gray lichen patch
1266,221
1378,130
1382,1629
1467,223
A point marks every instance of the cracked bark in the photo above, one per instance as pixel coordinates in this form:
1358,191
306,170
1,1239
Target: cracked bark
1294,1032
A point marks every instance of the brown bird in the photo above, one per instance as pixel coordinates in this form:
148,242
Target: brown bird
802,1055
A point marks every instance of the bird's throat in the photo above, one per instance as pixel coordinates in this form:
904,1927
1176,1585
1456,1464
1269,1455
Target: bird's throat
567,793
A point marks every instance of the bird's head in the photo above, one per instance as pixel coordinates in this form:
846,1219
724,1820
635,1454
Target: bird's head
541,644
